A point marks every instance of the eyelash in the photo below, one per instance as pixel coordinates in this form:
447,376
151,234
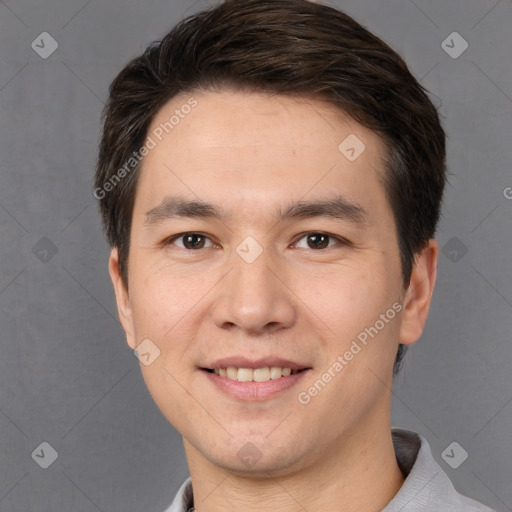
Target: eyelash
341,241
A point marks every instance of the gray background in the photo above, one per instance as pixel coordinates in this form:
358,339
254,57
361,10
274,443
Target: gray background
66,375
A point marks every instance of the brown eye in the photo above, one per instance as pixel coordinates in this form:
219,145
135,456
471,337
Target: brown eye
193,241
189,241
319,240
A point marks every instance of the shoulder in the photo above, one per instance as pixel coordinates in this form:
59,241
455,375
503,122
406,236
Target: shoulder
426,486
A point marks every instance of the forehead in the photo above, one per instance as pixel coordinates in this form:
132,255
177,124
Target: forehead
236,118
268,146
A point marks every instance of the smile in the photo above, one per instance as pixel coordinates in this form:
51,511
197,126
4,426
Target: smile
263,374
254,384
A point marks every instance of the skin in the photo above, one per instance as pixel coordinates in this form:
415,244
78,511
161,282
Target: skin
251,154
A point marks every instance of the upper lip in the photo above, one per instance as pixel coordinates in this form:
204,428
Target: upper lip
243,362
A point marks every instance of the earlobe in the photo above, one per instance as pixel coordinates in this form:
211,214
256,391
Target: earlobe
419,294
122,299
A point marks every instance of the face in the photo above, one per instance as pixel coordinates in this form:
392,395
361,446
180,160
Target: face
286,271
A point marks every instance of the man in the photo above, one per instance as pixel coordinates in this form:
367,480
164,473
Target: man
270,178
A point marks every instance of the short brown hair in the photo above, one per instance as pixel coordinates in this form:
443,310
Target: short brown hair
288,47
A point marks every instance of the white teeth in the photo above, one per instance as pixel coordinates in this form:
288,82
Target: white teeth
275,372
244,375
261,374
232,373
258,375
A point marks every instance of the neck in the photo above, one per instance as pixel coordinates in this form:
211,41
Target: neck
359,474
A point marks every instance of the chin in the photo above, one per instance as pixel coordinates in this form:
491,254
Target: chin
246,458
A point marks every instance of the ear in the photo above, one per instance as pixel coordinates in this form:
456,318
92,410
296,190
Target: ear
419,294
123,301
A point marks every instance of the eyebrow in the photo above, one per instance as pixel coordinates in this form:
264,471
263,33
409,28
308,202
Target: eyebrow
337,207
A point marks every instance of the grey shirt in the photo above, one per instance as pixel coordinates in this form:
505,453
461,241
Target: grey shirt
426,488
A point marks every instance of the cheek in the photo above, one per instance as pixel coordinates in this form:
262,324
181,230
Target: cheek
348,306
163,298
346,299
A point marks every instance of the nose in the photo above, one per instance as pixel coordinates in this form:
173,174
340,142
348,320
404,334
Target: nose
254,297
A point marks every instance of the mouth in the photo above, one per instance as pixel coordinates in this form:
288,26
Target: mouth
263,374
261,380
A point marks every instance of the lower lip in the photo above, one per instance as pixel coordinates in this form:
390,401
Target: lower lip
254,390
